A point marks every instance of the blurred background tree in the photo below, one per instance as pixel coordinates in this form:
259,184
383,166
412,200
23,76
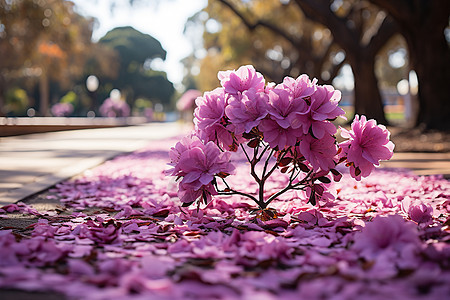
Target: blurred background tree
370,49
139,58
376,40
45,42
50,53
288,38
425,27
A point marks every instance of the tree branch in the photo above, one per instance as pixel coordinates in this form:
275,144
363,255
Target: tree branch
252,26
386,30
320,11
400,9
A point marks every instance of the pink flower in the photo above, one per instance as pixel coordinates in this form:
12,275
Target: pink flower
324,107
418,211
367,145
283,108
210,109
210,120
182,146
324,103
243,79
319,152
188,194
276,135
114,108
246,111
187,101
278,128
391,233
198,164
299,88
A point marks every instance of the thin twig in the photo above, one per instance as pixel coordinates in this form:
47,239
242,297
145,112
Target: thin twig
234,192
289,187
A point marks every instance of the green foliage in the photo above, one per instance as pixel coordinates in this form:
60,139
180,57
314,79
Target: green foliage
16,101
70,97
133,45
46,43
143,103
135,49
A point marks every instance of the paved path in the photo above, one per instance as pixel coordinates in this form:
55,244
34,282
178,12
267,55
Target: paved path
32,163
421,163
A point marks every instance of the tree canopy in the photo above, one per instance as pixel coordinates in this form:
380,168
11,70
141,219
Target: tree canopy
43,41
136,77
310,37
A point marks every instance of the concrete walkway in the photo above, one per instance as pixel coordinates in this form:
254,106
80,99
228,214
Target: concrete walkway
421,163
32,163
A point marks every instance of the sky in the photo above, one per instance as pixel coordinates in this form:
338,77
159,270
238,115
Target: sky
164,21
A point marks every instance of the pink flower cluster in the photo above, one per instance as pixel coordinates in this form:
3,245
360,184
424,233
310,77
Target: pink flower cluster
114,108
198,163
367,144
286,128
62,109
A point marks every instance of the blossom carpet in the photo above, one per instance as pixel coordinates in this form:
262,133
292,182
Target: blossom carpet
121,233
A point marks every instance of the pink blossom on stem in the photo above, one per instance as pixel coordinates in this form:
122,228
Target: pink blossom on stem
323,107
300,87
242,79
276,135
319,152
283,108
182,146
246,110
188,194
198,165
367,144
324,103
210,120
210,109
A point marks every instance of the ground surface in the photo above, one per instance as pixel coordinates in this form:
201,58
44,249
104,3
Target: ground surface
415,140
117,232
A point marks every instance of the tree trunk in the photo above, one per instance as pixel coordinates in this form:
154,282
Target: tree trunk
44,94
422,23
2,96
366,92
430,57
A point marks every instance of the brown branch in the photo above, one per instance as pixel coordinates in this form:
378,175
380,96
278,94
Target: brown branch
386,30
320,11
399,9
261,23
335,70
